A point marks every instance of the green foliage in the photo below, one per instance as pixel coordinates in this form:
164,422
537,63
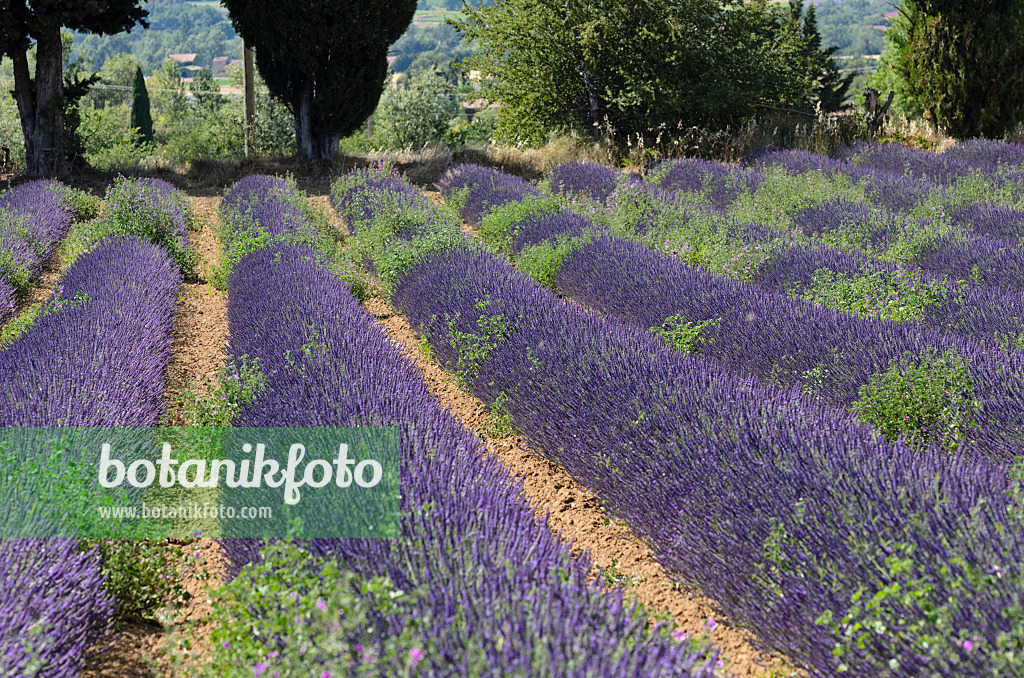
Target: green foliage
684,336
145,576
215,402
888,76
828,85
902,610
298,615
500,423
419,111
140,117
630,67
543,261
133,209
924,399
84,206
473,348
500,226
108,140
399,236
325,59
783,195
901,295
961,61
117,71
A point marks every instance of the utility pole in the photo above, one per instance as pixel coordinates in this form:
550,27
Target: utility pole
250,96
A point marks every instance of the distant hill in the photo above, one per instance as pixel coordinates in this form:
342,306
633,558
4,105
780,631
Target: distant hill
176,26
202,27
857,27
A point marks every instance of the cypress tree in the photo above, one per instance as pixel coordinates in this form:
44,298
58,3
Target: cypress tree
141,118
327,60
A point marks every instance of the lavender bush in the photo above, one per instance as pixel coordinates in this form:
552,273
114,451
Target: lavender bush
719,183
260,210
586,179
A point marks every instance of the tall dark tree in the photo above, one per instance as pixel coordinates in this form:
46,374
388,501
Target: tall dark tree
962,61
141,116
325,59
828,84
41,98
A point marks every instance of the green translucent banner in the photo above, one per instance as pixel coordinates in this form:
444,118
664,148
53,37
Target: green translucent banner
121,483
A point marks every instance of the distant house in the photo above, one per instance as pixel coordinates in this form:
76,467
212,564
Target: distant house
185,63
891,15
182,59
221,65
473,107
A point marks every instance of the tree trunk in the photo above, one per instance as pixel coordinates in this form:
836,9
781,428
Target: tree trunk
41,105
314,142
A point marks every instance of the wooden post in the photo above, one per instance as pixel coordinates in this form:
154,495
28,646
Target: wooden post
250,96
872,114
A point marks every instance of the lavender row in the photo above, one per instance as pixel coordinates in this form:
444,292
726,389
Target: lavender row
787,341
775,474
517,585
780,262
34,217
941,168
903,194
505,596
756,495
95,357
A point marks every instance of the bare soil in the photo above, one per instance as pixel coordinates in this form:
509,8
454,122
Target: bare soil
575,514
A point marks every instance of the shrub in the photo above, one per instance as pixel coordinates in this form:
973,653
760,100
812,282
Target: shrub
924,398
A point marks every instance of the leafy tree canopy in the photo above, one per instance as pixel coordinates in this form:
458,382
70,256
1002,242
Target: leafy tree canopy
632,67
40,96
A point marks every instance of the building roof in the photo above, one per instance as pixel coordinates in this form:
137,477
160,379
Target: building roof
182,58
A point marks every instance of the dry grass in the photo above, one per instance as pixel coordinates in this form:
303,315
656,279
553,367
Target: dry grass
821,134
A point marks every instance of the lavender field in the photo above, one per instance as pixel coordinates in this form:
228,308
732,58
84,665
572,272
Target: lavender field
794,387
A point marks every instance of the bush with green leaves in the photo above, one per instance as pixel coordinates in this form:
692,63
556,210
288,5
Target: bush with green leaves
899,294
924,399
500,225
149,208
295,615
421,109
543,261
402,230
683,336
146,576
